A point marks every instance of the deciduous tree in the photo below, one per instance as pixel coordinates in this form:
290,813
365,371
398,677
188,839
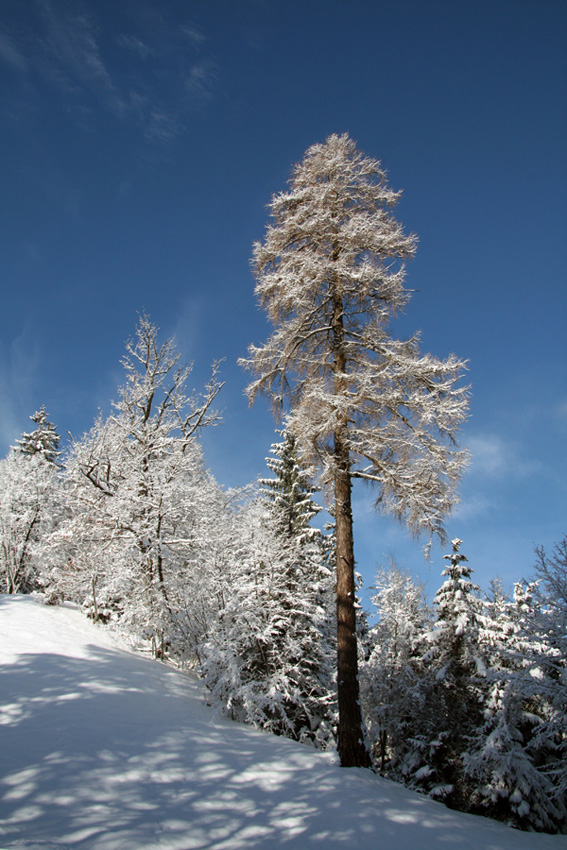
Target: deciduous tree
362,404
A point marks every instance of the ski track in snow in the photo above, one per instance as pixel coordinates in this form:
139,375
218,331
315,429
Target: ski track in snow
102,749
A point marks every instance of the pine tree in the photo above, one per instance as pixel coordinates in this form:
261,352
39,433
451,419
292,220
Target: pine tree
265,660
43,440
517,762
290,493
362,404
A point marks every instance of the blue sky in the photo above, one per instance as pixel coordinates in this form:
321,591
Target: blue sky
141,141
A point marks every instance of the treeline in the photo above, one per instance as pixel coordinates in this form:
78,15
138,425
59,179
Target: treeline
131,526
464,700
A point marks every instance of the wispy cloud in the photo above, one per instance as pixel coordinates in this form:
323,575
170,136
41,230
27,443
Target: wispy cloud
193,34
134,44
152,72
10,55
161,126
473,506
201,80
490,455
494,457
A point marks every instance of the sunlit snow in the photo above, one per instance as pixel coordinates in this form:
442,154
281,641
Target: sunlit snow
101,749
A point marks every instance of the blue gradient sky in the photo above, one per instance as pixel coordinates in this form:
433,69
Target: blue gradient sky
141,141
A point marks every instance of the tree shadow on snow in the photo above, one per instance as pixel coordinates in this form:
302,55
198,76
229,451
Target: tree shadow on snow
115,751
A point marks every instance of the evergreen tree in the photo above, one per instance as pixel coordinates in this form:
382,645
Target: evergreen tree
43,440
266,661
393,673
277,672
518,763
290,493
455,676
362,404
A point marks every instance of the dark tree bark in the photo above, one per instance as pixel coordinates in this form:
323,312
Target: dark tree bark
352,748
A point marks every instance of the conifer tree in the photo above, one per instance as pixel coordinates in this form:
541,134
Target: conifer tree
290,493
362,404
43,440
516,765
455,672
265,660
276,672
393,673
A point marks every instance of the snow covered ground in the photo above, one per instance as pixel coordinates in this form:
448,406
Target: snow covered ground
101,748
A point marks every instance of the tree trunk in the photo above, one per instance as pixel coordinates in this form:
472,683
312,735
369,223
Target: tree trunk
352,747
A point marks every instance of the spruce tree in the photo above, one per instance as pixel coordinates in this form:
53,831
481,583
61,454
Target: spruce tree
43,440
290,493
455,671
517,762
277,672
393,672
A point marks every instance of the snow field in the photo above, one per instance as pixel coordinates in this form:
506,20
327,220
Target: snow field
101,749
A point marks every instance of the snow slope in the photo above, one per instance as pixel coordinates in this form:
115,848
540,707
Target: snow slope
103,749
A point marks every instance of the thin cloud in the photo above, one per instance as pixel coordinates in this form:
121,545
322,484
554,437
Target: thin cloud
472,507
74,56
134,44
201,80
151,78
162,126
10,55
489,455
193,34
495,458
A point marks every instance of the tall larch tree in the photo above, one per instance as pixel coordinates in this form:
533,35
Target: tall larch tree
330,275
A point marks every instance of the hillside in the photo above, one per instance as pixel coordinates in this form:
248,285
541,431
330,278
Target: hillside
101,749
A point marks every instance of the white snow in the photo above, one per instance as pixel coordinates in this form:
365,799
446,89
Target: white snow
101,749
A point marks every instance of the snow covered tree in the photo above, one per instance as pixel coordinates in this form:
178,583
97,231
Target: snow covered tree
30,505
136,481
392,674
517,762
330,274
455,672
43,440
266,660
551,572
276,671
290,493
